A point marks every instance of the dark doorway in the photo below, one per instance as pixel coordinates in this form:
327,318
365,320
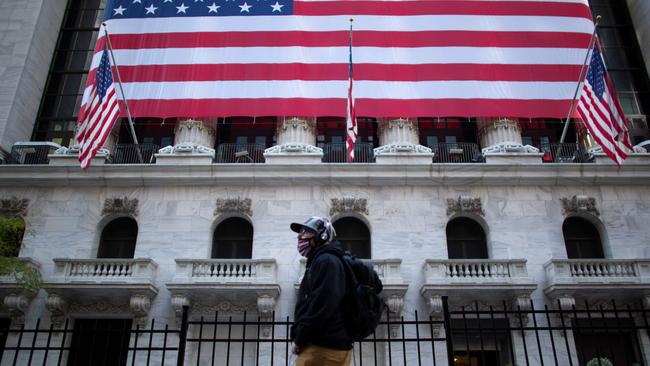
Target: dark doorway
466,239
581,239
354,235
100,342
233,238
606,338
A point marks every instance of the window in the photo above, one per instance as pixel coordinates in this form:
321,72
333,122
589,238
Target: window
118,239
354,235
100,342
450,130
581,239
466,239
613,339
233,238
481,342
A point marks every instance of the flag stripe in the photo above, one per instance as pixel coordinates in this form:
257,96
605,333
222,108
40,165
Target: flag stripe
422,72
423,38
400,8
337,107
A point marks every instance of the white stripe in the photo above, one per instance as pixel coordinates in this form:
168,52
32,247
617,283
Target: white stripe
334,55
410,23
338,89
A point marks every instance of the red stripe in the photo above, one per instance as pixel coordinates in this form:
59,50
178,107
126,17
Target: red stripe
341,38
456,7
338,107
391,72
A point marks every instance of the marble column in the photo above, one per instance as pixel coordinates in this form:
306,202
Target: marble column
193,143
640,13
296,142
501,135
399,142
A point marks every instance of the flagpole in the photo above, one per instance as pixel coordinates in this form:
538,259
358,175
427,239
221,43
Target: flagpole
582,70
119,82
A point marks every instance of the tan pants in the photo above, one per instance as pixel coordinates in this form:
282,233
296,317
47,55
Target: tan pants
320,356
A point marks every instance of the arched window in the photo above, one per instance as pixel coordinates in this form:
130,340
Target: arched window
118,239
466,239
233,238
354,235
581,239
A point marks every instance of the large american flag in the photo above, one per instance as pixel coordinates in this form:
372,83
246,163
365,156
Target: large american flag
602,112
197,58
99,113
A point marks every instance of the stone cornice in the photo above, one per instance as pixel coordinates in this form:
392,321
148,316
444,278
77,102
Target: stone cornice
334,174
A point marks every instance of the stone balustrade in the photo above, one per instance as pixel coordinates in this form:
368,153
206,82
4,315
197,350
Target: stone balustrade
388,270
226,270
475,270
136,270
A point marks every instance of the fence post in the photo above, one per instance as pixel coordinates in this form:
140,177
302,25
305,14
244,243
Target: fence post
182,337
448,337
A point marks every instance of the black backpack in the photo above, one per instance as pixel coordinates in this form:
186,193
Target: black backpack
364,305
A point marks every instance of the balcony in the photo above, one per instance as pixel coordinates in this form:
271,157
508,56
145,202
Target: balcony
337,153
480,279
597,278
134,154
460,152
565,153
213,281
31,152
108,280
240,153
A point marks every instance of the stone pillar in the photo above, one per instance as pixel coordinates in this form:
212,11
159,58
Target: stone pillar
193,142
501,142
399,140
640,13
296,142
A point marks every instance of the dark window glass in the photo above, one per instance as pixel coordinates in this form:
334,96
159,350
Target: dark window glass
100,342
66,80
354,235
448,130
581,239
118,239
481,342
466,239
612,339
233,238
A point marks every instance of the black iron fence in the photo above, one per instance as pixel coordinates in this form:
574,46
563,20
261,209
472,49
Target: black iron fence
240,153
565,153
478,334
134,154
459,152
337,153
31,153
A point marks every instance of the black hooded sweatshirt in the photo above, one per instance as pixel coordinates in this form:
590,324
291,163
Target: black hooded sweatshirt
318,317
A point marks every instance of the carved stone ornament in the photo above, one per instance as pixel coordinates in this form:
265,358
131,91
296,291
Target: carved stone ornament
120,206
209,309
579,204
265,308
17,305
57,306
140,305
14,206
100,307
293,148
234,205
464,205
348,205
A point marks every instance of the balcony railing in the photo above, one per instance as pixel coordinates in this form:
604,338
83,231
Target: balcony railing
475,270
225,271
240,153
336,153
31,152
565,153
459,152
134,154
571,271
137,270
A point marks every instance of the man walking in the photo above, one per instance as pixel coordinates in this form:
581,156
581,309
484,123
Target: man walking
319,336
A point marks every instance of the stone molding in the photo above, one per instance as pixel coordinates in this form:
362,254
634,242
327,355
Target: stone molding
17,304
464,205
14,206
123,205
307,125
58,307
509,147
579,204
402,148
293,148
140,305
348,205
234,205
187,149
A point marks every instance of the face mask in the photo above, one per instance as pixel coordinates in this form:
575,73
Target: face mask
303,247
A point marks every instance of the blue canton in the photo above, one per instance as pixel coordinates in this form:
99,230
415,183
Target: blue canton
122,9
596,73
104,75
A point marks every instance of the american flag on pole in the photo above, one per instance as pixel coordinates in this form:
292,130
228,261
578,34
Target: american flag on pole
601,111
98,112
351,125
517,58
